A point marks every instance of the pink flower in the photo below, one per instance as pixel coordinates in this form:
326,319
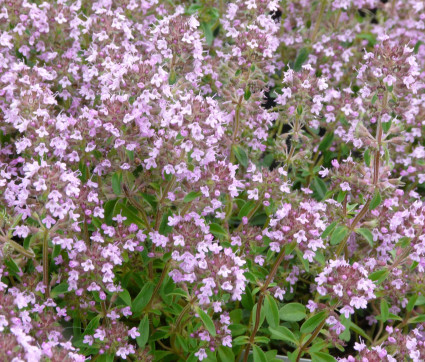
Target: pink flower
133,333
99,334
345,186
201,354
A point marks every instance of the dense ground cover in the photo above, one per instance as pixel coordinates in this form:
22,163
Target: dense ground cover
211,180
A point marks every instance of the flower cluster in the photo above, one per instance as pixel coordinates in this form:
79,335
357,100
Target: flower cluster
199,180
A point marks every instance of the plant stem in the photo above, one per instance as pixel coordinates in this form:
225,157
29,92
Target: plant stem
311,339
338,14
163,196
19,248
158,285
181,315
353,225
104,312
178,322
272,274
46,262
236,128
251,213
319,20
365,208
138,207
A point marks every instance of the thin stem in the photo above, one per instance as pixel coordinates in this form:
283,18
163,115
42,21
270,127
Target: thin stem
104,311
138,207
338,14
181,315
158,285
272,274
251,213
356,220
236,128
46,262
177,326
311,339
163,196
19,248
319,20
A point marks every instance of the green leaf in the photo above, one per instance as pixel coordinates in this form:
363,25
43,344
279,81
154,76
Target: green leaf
209,36
292,312
237,329
76,325
94,323
379,276
125,297
386,125
225,354
12,266
299,109
371,38
208,323
339,234
142,299
107,357
283,334
172,78
354,327
321,357
328,230
326,141
109,210
303,261
247,93
259,355
182,342
150,199
318,346
259,220
164,228
246,209
412,302
366,157
417,45
192,196
417,319
127,211
301,58
394,317
384,310
271,310
217,230
116,183
367,234
341,196
420,300
319,186
261,339
144,332
313,322
61,288
240,341
160,355
346,334
320,257
376,200
192,9
241,155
